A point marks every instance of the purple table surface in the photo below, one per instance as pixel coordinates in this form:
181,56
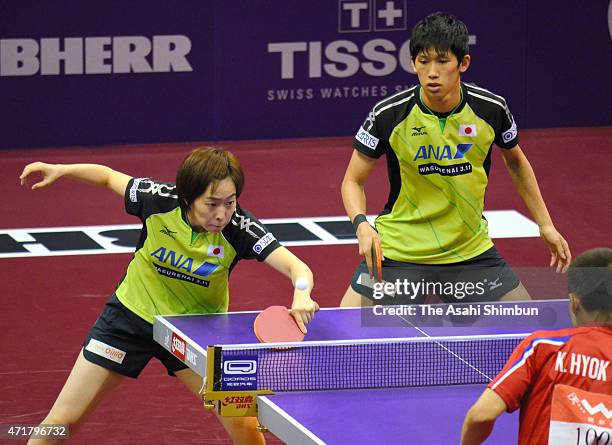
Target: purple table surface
354,324
423,415
407,415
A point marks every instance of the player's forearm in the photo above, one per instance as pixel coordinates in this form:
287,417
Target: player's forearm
526,183
299,269
96,174
353,198
481,417
285,262
475,433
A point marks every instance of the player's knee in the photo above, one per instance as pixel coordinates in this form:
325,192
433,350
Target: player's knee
354,299
519,293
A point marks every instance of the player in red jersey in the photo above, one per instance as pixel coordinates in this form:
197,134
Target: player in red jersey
578,357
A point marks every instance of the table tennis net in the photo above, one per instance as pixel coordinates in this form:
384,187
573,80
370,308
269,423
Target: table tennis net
395,363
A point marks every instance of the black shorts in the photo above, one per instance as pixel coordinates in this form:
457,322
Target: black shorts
486,277
123,342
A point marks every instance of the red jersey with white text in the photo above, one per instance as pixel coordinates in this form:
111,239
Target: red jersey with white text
579,357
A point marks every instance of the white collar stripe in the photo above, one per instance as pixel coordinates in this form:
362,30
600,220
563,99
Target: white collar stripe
406,99
487,99
474,87
526,355
391,97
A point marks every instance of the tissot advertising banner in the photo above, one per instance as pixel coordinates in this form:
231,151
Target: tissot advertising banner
97,73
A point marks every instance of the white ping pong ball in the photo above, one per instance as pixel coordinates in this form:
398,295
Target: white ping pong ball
302,283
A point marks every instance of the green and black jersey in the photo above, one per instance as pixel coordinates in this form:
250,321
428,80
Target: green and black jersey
438,168
176,270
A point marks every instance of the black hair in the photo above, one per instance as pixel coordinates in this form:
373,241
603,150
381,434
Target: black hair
205,166
590,279
442,33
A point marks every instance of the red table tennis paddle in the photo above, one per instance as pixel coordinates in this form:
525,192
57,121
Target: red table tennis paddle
376,260
276,325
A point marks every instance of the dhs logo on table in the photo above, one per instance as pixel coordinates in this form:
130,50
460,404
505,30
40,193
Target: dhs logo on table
178,347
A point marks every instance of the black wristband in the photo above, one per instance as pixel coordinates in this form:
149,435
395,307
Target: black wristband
358,220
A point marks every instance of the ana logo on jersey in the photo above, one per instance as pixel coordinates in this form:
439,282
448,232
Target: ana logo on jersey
440,153
168,256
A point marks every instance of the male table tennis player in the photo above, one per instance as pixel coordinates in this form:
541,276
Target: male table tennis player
548,358
437,137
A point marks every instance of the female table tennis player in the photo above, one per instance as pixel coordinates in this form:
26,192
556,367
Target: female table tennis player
193,234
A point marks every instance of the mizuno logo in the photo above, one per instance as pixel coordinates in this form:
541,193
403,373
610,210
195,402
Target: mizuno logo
418,131
494,284
167,231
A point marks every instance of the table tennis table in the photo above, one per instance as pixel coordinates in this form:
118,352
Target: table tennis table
417,414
